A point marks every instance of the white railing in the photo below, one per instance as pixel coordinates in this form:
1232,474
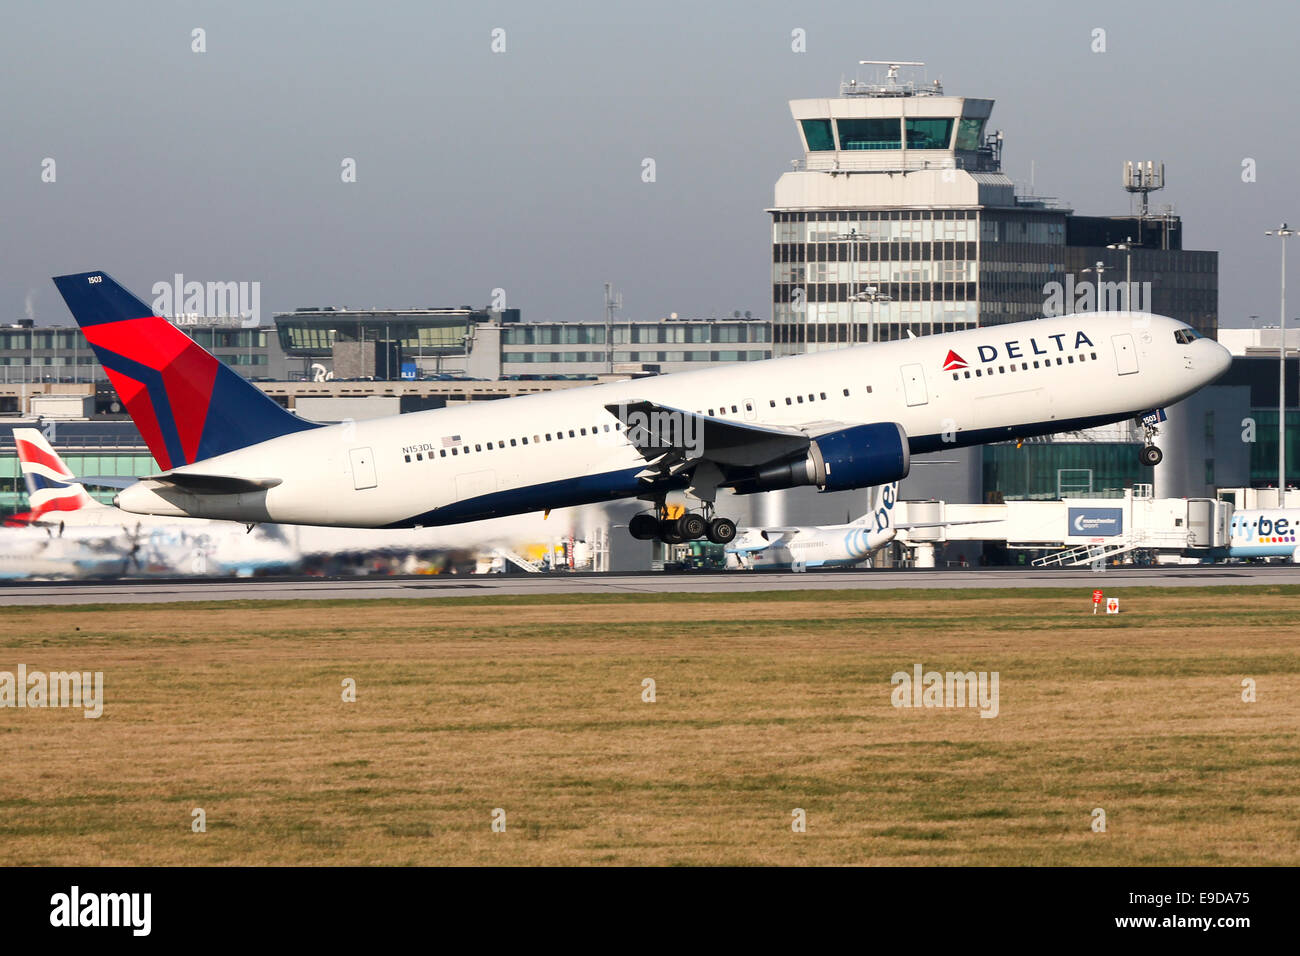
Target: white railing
517,560
1142,538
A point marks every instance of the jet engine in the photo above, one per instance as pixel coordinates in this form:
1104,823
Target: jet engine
856,457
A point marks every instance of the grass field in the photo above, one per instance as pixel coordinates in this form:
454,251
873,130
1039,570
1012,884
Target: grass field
764,703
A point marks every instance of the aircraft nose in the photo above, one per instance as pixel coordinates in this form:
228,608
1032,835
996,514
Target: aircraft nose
1216,360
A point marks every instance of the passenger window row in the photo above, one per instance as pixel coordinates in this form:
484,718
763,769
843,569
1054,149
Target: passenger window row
1024,366
464,447
812,397
720,410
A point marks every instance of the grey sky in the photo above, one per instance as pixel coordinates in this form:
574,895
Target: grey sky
522,170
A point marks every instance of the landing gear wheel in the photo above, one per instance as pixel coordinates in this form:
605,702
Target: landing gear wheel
722,530
668,532
1151,455
643,527
691,526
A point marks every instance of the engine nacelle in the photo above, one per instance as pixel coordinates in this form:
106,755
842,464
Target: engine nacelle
857,457
862,456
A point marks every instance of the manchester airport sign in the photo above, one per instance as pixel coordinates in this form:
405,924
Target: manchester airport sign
1095,522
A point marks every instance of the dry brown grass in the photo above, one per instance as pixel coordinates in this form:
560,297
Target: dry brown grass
765,703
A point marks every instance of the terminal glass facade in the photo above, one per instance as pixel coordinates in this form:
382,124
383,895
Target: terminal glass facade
13,492
869,133
1043,471
855,276
817,132
928,133
1263,453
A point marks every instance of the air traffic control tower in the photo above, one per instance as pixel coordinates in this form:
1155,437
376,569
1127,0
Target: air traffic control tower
899,218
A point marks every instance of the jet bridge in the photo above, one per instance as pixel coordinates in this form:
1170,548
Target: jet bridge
1079,530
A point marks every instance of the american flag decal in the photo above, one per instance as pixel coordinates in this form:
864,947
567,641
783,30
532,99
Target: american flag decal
449,440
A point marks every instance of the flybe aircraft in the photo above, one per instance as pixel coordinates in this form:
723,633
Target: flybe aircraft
837,420
827,546
1267,533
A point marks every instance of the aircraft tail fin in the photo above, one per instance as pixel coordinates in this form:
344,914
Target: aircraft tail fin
52,488
881,515
186,404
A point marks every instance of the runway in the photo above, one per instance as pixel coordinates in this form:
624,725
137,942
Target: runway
140,591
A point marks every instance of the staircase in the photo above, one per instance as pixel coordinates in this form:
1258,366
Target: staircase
517,560
1085,554
1088,553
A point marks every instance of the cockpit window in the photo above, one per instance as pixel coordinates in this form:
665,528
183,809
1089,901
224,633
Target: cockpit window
1183,336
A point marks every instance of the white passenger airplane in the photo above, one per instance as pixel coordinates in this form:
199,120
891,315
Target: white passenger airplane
34,552
827,546
59,502
838,420
1265,533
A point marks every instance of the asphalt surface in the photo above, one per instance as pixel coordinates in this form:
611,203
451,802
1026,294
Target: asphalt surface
153,591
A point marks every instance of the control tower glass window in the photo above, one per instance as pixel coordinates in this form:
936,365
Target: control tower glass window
818,134
869,134
929,133
970,133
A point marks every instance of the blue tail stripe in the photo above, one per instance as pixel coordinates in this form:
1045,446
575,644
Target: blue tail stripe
38,482
241,414
152,380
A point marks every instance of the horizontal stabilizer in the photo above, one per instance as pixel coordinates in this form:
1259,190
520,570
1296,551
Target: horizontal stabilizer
109,481
214,484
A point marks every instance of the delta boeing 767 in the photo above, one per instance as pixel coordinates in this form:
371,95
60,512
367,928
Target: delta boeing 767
837,420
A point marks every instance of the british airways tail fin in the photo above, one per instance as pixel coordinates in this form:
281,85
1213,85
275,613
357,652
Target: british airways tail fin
52,488
186,404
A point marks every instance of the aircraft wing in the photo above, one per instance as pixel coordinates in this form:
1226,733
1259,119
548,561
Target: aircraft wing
710,451
656,430
753,540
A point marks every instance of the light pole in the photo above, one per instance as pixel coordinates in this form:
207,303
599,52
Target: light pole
1127,246
852,237
1099,268
873,295
1284,233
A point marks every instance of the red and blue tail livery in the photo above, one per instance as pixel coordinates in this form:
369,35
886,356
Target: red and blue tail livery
186,404
51,487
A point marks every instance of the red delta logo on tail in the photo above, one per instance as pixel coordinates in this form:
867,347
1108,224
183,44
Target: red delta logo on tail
953,362
166,383
186,404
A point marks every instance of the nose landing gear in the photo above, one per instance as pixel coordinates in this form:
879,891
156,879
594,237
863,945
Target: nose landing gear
1150,454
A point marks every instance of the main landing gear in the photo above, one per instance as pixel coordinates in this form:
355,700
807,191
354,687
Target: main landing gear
690,526
1150,454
